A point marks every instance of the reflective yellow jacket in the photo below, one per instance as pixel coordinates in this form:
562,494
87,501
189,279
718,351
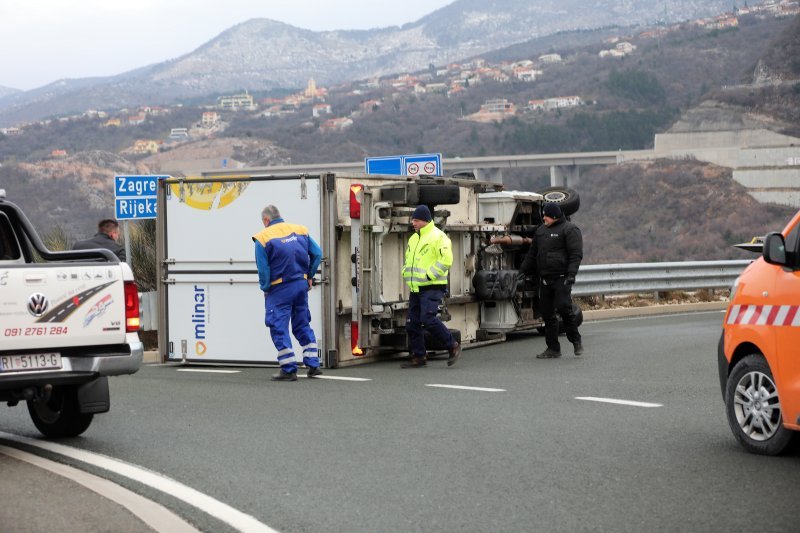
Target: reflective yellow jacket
428,258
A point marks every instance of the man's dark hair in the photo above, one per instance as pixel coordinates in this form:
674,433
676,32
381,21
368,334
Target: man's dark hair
107,225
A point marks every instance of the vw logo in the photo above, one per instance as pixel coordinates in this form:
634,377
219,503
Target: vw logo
38,304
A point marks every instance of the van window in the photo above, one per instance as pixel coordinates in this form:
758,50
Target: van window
791,239
9,248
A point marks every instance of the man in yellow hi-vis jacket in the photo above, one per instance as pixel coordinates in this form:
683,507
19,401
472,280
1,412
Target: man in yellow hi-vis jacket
428,259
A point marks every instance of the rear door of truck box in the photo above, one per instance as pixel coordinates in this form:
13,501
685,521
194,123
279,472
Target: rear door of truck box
214,306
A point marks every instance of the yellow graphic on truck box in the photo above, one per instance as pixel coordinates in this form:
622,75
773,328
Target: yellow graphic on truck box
207,195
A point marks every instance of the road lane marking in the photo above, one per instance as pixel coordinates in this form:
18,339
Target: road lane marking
340,378
464,387
208,371
618,402
151,513
215,508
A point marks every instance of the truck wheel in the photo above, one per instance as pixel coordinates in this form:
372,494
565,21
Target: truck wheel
578,318
59,416
561,330
753,408
567,199
439,194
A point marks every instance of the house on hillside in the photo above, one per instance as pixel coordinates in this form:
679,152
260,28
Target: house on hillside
146,146
112,122
236,102
58,153
135,120
321,109
335,124
550,58
209,119
176,134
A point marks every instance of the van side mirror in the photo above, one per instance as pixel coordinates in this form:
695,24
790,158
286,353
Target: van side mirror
774,249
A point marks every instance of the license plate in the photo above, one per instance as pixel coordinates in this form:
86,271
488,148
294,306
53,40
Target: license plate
31,361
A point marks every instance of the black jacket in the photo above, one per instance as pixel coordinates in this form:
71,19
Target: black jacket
556,250
101,240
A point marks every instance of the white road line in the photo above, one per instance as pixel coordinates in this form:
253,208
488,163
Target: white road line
463,387
208,371
340,378
221,511
151,513
618,402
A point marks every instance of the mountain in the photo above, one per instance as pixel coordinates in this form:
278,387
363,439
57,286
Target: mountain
7,91
262,54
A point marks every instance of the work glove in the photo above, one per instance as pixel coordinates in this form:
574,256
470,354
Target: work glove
569,280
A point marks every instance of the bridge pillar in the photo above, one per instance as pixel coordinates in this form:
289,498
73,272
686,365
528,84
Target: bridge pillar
565,176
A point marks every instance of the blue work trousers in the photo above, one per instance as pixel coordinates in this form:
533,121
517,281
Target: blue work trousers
423,310
287,302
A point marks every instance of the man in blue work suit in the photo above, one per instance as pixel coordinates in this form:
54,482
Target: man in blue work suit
287,259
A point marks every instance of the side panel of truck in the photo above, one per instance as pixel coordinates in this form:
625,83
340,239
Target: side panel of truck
214,306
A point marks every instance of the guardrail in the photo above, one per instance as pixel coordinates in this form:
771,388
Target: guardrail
592,280
655,277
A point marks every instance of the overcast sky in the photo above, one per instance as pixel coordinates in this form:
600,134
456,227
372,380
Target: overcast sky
47,40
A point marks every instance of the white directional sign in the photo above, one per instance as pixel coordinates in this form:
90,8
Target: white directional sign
135,196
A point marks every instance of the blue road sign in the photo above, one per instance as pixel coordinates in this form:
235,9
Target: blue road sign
135,208
141,186
405,165
135,196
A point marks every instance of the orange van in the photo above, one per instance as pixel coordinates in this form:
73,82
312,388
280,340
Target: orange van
759,351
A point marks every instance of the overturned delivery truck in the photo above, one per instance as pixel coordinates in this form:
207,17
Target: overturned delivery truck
210,306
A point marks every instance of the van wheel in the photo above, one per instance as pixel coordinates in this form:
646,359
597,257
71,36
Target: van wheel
59,416
567,199
753,408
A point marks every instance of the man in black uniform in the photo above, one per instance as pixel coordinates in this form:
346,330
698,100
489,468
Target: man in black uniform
555,255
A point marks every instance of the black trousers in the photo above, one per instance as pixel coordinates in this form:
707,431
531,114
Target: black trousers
555,295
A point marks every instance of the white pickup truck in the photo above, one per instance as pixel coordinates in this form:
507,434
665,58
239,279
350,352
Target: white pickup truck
68,320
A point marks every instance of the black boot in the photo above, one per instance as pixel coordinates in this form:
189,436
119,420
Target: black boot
549,354
314,371
285,376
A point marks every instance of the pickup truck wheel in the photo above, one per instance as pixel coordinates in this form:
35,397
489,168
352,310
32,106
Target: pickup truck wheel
567,199
753,408
59,416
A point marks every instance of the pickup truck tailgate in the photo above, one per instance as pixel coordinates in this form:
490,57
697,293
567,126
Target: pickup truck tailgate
66,306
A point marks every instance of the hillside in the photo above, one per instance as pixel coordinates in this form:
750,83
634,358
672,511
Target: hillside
669,211
263,54
772,89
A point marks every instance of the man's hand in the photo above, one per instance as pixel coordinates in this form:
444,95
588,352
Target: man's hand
310,283
569,280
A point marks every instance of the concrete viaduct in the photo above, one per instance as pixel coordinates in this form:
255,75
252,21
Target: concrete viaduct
564,168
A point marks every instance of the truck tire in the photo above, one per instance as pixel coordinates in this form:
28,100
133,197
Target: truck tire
753,408
435,194
59,416
561,330
567,199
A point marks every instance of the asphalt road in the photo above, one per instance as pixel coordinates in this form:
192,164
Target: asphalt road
397,454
